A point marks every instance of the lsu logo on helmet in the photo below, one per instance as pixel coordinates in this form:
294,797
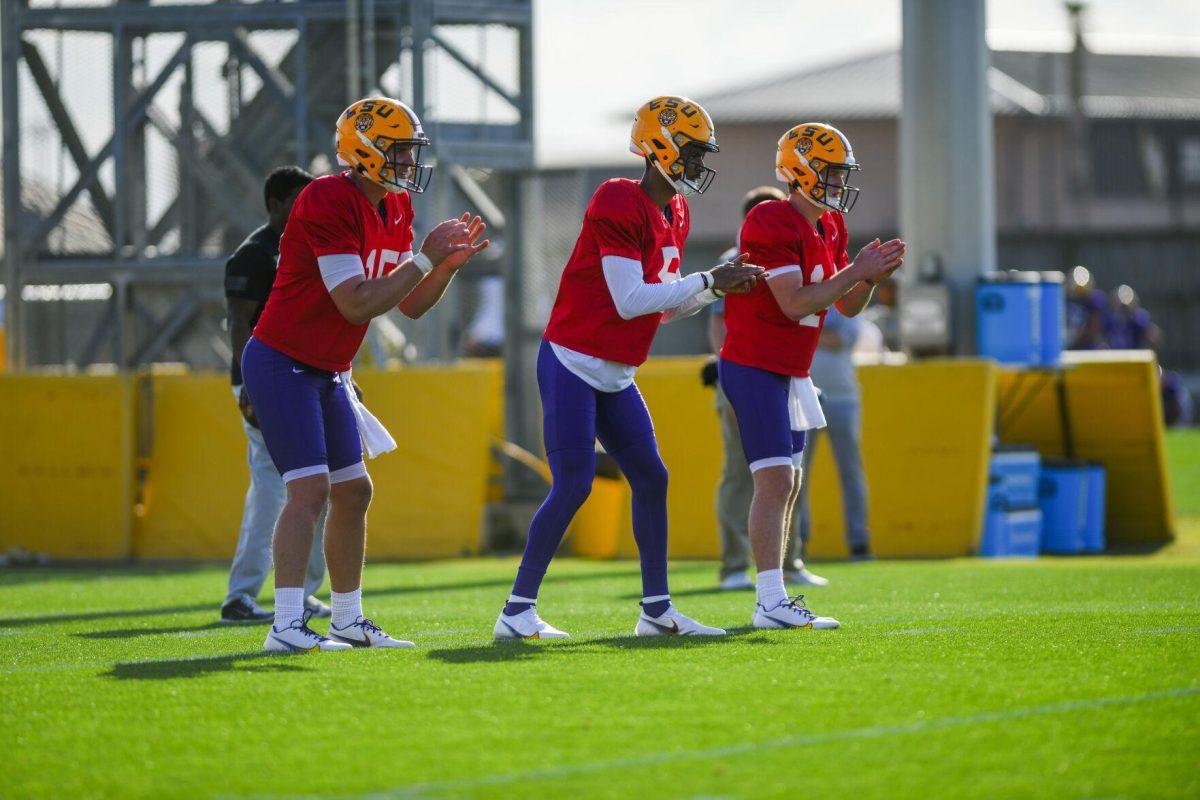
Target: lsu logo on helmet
815,160
674,133
381,139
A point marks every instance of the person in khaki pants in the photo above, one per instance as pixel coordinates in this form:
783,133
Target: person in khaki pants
737,487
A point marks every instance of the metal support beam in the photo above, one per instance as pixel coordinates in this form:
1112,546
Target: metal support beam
213,20
92,169
946,176
66,128
10,35
168,329
476,70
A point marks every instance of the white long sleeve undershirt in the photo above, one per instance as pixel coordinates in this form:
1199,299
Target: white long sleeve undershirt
676,297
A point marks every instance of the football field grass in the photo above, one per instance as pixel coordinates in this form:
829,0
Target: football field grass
1057,678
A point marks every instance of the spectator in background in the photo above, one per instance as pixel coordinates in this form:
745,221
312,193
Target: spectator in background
1086,310
249,275
1128,326
737,486
833,372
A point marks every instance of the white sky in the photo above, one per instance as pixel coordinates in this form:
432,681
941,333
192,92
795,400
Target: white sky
597,60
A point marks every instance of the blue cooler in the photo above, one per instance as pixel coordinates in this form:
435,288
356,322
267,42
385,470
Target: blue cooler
1063,496
1093,526
1008,319
1016,467
1012,522
1054,317
994,541
1024,531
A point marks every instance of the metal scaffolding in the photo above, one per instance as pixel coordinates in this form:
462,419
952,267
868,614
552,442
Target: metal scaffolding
165,265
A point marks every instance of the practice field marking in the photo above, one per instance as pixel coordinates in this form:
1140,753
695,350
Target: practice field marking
1177,629
921,631
873,732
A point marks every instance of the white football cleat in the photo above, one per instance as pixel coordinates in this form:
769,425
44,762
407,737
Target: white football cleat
299,638
802,577
365,633
736,581
672,623
526,625
790,614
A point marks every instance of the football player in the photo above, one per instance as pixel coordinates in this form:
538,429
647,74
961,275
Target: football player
345,257
772,331
621,282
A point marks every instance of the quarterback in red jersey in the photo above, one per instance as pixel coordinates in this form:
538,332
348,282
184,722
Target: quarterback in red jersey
346,256
772,332
621,282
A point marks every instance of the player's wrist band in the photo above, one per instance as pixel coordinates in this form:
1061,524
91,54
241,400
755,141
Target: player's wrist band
422,262
707,278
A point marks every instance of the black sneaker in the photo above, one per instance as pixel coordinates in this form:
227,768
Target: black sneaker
245,612
861,553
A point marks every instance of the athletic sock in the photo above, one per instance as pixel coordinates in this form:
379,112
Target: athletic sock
656,606
347,607
289,606
517,604
771,591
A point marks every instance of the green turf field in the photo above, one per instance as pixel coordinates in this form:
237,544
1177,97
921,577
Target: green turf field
1075,678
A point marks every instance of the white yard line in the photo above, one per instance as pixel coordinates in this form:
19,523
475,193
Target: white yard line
872,732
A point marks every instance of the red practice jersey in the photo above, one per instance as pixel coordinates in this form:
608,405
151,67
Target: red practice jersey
780,240
621,220
331,216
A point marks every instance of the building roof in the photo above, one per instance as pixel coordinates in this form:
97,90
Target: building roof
1021,83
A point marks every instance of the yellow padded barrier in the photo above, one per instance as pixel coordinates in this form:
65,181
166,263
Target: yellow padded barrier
926,439
429,493
196,473
1115,415
926,435
926,442
66,465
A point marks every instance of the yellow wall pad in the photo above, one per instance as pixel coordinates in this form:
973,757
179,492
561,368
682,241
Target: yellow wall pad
429,493
66,465
926,438
926,443
1114,411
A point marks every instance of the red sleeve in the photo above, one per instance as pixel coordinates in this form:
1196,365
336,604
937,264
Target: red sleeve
770,240
616,223
331,225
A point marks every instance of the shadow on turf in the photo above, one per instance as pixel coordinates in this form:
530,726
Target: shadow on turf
89,616
521,649
199,667
130,633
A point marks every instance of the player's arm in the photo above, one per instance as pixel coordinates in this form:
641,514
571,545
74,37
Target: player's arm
360,300
855,300
872,264
633,297
429,291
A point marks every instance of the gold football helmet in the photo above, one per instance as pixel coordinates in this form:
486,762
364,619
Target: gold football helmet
663,128
815,160
381,138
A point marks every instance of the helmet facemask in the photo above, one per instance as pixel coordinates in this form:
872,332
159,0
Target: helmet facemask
402,168
688,174
832,189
